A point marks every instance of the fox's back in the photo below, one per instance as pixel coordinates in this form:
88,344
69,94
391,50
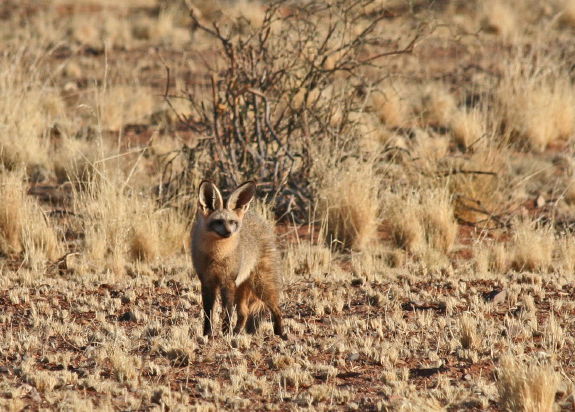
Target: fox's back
256,235
257,249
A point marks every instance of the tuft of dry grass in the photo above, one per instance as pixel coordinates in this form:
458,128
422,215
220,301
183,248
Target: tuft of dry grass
422,220
28,109
120,105
308,259
491,257
350,205
392,105
536,103
23,224
438,105
478,196
566,253
121,227
470,337
526,388
566,10
467,127
532,247
500,17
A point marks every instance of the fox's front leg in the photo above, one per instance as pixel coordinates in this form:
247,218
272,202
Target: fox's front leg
228,292
209,291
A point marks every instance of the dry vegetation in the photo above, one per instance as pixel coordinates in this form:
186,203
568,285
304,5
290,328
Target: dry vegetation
417,157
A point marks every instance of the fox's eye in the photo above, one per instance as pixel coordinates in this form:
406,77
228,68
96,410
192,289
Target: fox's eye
216,224
233,224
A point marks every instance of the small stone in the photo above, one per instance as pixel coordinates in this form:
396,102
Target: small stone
357,282
500,297
157,397
496,296
467,377
70,87
34,395
353,357
128,317
540,202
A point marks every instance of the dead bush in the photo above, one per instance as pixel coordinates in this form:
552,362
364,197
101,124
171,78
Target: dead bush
278,94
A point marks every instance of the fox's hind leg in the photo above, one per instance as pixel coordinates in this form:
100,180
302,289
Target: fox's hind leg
241,301
256,309
253,323
269,295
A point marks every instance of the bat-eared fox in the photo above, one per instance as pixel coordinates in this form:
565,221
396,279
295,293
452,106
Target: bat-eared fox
234,252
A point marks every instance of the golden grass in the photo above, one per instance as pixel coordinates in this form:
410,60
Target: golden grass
122,227
491,257
500,18
422,220
28,109
23,225
526,388
121,105
438,105
392,105
350,205
408,295
467,127
536,103
566,10
533,247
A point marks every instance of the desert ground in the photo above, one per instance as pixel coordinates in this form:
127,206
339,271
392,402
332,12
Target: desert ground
415,156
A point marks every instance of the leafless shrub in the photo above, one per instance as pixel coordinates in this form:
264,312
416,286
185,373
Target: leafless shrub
280,94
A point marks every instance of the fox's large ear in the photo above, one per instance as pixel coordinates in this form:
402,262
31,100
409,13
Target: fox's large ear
210,198
242,196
